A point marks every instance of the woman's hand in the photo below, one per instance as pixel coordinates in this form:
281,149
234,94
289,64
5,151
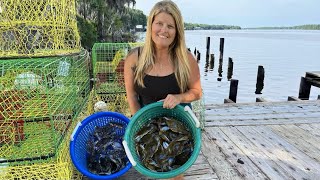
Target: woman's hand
171,101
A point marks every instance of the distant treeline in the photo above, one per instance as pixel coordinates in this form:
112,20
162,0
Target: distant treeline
194,26
304,27
191,26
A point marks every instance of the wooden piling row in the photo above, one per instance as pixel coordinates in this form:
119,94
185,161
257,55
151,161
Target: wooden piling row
311,79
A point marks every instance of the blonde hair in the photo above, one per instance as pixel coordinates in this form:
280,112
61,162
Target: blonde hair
177,50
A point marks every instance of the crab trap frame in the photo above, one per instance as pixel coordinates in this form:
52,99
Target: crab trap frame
39,98
38,28
108,64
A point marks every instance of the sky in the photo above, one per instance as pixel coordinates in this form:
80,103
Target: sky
244,13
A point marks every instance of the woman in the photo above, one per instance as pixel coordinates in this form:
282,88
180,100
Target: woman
162,69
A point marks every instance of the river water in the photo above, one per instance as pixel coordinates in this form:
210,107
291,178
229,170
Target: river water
286,55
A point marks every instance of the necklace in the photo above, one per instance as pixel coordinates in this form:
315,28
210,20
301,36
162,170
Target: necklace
161,67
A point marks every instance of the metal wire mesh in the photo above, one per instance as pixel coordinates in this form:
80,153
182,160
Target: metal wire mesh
58,167
108,62
38,28
198,107
39,98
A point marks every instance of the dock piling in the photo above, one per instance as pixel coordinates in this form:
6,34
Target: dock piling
304,90
208,48
221,49
260,79
230,68
211,66
233,90
198,56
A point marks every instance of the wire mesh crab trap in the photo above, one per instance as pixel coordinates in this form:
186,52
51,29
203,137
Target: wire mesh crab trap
38,28
39,98
108,62
58,167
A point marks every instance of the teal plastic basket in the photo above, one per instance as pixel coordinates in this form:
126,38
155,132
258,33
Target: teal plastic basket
142,117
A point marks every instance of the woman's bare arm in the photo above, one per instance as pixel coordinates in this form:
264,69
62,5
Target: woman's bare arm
194,92
129,66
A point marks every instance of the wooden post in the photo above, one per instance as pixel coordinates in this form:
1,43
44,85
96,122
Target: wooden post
206,65
211,66
221,49
208,48
230,68
260,79
221,58
198,56
233,90
304,90
195,51
220,68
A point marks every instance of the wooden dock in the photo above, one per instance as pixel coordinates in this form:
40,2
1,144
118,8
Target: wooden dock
268,140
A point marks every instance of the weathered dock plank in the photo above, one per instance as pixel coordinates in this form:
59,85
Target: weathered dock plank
217,159
274,140
312,129
300,138
283,154
270,167
301,112
234,156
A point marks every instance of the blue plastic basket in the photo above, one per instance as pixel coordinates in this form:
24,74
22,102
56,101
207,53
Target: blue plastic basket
80,136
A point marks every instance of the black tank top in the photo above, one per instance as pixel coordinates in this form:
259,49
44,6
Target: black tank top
157,88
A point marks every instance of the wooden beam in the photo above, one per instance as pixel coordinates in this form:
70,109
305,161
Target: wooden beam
260,99
292,98
228,101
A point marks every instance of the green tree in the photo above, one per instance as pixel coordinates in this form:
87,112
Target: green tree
88,32
105,14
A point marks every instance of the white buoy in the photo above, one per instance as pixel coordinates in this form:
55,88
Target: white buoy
3,169
100,106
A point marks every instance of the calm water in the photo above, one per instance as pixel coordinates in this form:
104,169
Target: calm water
285,55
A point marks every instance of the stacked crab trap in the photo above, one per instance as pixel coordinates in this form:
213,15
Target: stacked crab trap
44,82
108,64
